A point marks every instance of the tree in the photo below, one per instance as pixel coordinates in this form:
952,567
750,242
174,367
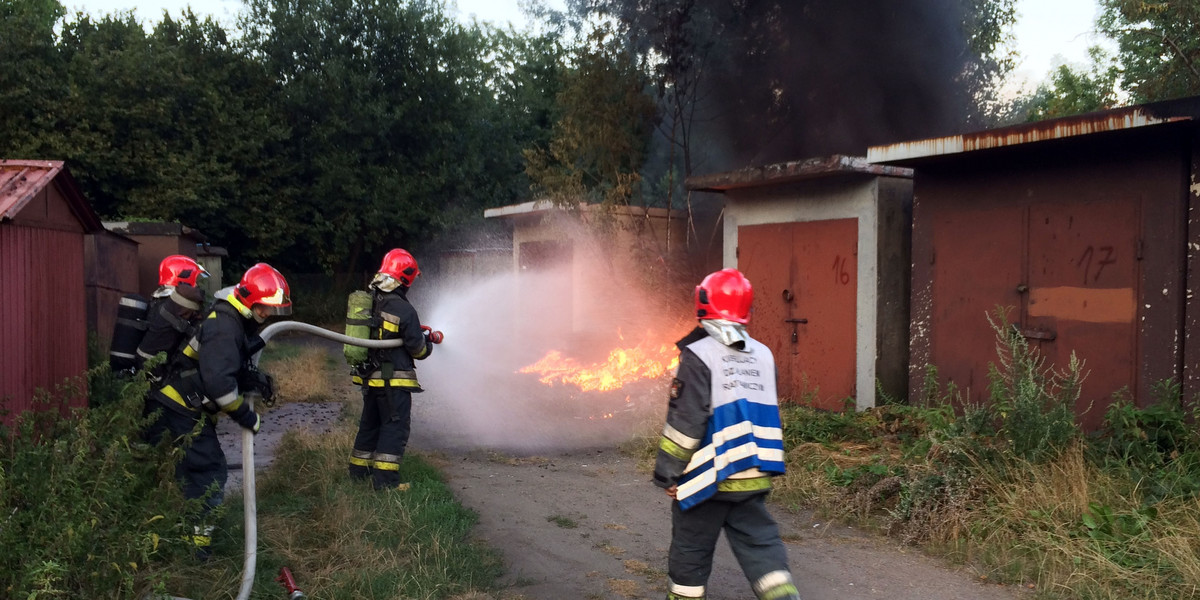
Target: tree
1159,46
600,140
173,125
31,79
1073,91
395,130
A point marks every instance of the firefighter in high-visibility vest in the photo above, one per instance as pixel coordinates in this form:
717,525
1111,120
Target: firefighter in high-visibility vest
211,378
174,309
720,447
389,376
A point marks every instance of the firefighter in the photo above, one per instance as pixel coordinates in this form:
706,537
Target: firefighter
174,309
216,368
720,447
389,378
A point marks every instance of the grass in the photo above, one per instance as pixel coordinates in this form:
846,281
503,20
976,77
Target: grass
562,521
341,539
89,511
302,373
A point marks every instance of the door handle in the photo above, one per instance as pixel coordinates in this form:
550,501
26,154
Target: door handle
795,334
1039,334
1035,333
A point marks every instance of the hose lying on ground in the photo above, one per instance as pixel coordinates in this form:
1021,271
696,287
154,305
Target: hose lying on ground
248,497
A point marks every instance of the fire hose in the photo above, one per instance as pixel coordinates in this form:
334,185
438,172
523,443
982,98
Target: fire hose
248,496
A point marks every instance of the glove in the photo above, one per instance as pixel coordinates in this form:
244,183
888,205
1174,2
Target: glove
252,380
246,417
266,387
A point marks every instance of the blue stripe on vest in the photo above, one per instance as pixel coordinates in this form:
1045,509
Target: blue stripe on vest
763,416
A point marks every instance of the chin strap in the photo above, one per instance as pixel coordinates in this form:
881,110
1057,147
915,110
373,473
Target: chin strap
727,332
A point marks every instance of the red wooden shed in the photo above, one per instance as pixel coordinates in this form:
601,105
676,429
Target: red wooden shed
1086,227
43,314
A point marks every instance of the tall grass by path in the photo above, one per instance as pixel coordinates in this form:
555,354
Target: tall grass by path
89,511
343,540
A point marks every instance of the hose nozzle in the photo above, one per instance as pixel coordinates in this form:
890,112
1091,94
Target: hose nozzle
435,337
289,584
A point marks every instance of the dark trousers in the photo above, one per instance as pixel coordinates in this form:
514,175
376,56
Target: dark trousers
752,533
203,471
382,435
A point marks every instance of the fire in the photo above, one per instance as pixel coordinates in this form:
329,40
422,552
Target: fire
623,366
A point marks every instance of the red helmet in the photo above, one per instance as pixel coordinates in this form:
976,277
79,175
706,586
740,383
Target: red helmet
263,285
725,294
401,266
177,269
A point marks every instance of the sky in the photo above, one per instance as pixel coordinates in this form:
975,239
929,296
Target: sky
1048,32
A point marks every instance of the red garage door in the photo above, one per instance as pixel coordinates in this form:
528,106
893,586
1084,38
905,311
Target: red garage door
1067,273
805,278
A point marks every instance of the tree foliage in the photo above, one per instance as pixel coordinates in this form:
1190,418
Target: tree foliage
599,141
1159,46
1073,91
314,134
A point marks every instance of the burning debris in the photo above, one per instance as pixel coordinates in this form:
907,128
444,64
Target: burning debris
647,360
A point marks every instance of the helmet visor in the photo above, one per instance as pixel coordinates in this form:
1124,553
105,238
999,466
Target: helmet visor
277,311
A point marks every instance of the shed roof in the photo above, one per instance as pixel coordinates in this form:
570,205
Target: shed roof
1129,118
539,207
836,165
163,228
22,180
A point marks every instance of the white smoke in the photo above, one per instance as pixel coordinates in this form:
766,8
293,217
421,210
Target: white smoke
498,323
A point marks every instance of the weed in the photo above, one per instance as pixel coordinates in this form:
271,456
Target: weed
564,522
1034,402
88,510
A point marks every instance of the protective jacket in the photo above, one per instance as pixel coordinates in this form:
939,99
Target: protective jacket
723,433
213,362
170,323
393,317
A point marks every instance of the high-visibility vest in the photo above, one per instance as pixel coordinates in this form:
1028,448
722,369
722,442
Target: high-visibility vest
743,444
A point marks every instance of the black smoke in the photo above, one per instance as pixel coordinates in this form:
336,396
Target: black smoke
775,80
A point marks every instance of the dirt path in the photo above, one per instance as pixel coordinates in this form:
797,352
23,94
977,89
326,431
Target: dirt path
587,524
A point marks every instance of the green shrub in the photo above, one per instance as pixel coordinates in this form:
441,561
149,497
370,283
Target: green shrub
1157,447
84,511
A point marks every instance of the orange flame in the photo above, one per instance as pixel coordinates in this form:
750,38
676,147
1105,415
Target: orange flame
623,366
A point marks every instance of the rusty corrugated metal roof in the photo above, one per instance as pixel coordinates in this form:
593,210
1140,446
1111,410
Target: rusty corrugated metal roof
1118,119
22,180
787,172
536,207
